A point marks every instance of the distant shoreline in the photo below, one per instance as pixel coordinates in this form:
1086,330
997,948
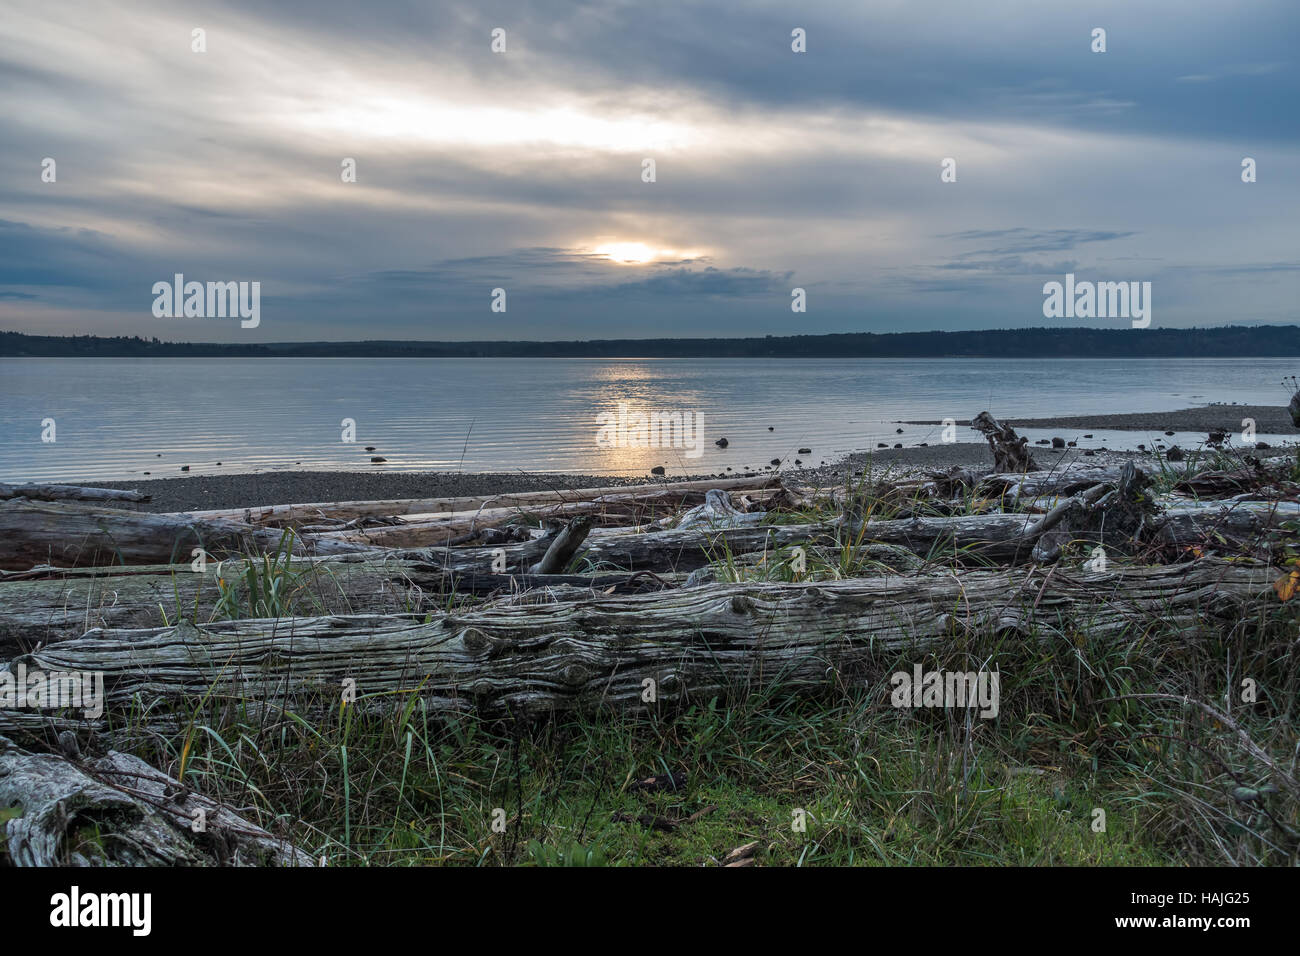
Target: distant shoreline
242,490
1070,343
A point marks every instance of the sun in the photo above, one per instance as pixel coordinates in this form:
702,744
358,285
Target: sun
628,253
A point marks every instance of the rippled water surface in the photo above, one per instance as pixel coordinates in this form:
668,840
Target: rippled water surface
120,418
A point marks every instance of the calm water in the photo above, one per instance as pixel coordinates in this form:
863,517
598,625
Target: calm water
121,418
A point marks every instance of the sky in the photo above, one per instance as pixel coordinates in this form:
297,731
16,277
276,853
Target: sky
523,169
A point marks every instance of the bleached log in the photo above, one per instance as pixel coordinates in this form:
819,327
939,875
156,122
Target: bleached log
148,817
65,534
65,603
68,493
694,643
290,515
995,538
419,531
718,512
1240,526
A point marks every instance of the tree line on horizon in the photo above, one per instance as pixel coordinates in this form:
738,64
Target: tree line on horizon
1221,342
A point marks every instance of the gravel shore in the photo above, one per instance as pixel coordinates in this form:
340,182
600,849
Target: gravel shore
1227,418
201,492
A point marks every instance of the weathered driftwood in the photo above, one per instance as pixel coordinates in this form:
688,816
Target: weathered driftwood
563,546
59,604
1259,475
1015,489
66,800
418,531
63,603
1114,518
1119,522
718,512
66,534
1240,526
1010,451
293,515
68,493
692,642
990,538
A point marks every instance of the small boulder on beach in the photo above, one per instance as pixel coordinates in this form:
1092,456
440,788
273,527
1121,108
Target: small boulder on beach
1058,442
377,460
722,443
1174,454
657,470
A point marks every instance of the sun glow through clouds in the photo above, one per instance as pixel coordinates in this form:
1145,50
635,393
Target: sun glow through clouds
640,253
628,253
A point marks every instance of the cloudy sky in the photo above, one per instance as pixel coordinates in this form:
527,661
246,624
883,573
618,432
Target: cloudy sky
522,169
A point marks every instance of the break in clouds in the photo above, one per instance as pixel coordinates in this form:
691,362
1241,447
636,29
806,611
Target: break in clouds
380,169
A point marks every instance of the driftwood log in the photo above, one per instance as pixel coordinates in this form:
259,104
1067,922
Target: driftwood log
64,800
1112,517
1239,527
693,642
436,530
717,511
995,537
417,508
68,534
1010,451
58,604
561,549
968,539
68,493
